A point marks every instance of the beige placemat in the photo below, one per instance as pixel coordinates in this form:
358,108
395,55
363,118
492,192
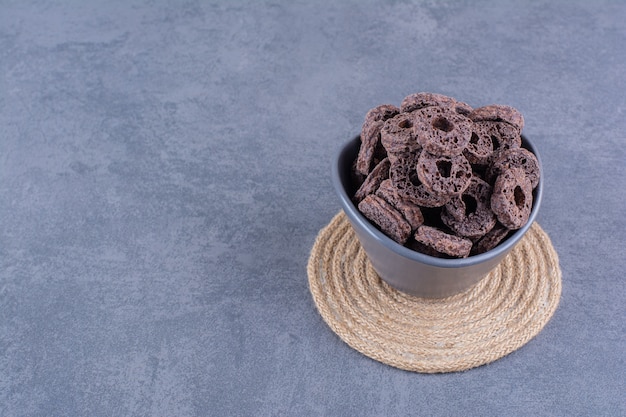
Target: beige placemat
490,320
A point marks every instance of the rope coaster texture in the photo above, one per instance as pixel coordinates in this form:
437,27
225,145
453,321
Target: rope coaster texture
495,317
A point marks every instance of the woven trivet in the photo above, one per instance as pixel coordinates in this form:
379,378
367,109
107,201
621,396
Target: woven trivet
495,317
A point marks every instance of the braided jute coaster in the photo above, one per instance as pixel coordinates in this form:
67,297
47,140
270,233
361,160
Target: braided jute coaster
495,317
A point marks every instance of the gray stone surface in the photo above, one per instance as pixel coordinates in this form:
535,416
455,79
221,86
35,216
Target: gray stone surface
164,170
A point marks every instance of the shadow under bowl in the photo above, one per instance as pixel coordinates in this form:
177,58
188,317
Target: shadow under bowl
410,271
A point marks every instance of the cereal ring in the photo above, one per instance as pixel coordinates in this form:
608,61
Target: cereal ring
404,178
443,242
515,158
480,146
373,180
488,138
370,135
490,240
446,175
411,212
421,100
397,134
441,131
469,214
504,136
388,219
512,198
356,177
426,250
498,113
381,113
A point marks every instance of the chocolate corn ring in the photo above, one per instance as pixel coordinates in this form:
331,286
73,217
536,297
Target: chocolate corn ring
411,212
373,180
498,113
397,134
404,177
443,242
441,131
421,100
446,175
512,198
386,217
490,240
370,135
480,146
515,158
469,214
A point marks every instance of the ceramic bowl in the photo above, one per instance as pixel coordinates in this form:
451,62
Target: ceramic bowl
410,271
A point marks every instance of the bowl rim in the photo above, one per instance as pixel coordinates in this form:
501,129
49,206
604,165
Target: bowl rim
355,216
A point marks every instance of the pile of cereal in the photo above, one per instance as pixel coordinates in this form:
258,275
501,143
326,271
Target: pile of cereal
443,178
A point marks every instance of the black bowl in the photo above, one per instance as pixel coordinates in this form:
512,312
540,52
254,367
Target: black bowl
410,271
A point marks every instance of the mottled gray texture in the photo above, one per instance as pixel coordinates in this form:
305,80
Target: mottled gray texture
165,168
